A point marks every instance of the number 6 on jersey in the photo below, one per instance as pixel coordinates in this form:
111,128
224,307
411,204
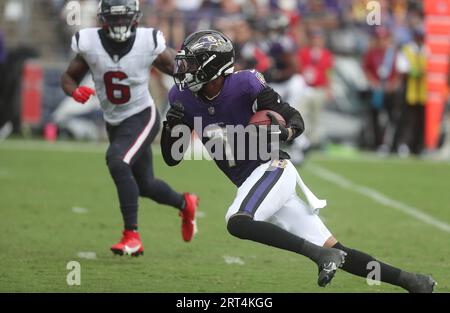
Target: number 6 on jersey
117,93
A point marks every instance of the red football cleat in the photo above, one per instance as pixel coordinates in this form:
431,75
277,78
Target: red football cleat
188,225
130,244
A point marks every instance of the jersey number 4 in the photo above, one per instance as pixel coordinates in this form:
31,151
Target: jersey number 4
117,94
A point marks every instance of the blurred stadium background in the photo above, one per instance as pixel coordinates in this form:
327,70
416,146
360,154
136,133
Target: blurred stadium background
375,97
342,87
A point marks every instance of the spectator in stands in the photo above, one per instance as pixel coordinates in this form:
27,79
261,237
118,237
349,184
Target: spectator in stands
400,28
10,99
249,53
412,64
315,64
380,68
318,13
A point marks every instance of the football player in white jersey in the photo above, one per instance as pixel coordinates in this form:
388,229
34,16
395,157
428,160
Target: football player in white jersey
119,55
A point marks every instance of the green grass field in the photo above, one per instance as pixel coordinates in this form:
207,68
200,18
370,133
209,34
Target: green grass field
40,184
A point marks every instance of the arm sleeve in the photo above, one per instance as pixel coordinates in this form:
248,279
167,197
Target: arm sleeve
268,99
159,42
167,141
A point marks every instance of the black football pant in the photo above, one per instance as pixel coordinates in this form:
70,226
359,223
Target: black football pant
129,159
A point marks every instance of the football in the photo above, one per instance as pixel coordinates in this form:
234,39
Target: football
261,118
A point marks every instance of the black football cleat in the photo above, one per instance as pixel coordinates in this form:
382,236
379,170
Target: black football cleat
421,284
330,261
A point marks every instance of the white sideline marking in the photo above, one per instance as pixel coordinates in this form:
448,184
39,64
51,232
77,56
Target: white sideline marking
79,210
200,214
195,226
87,255
378,197
233,260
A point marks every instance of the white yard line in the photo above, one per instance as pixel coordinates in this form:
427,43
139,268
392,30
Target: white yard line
200,214
233,260
79,210
88,255
377,197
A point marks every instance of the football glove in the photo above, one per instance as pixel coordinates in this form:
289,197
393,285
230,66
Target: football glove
175,115
283,131
82,94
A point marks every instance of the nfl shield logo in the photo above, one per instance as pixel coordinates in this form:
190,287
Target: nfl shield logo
211,110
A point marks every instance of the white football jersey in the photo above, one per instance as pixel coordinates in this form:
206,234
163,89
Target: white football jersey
121,83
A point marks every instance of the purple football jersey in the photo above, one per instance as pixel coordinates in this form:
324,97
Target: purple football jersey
233,106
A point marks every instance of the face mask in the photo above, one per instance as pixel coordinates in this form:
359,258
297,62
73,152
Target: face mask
190,82
120,33
196,88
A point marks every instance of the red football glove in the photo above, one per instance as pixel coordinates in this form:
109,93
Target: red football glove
82,94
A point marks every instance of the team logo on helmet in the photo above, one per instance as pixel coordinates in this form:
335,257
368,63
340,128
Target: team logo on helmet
204,56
